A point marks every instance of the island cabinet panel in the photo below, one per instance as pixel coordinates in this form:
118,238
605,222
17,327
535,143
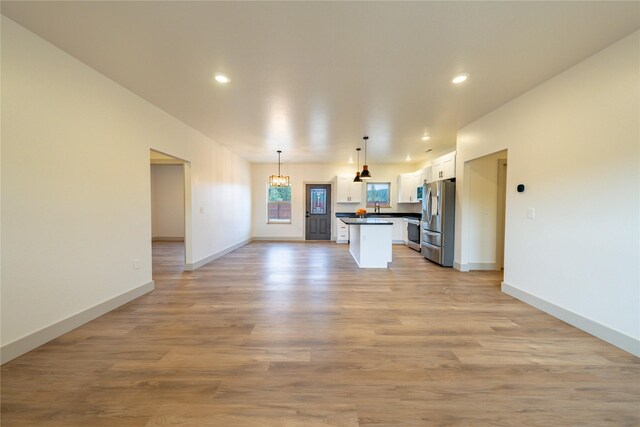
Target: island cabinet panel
370,245
370,241
399,225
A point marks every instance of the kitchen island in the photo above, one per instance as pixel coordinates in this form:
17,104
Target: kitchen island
370,241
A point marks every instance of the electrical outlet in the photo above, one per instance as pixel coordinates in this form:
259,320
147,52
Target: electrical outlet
136,264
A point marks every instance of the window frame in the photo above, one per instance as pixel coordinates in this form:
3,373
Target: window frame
267,202
373,204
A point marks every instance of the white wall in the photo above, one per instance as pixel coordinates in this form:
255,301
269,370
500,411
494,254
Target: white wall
76,186
574,142
167,201
314,173
482,178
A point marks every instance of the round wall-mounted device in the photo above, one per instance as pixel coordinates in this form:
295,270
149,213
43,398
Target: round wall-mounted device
520,188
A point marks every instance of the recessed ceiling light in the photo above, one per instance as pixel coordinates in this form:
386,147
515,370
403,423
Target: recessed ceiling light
460,78
221,78
350,160
426,138
408,158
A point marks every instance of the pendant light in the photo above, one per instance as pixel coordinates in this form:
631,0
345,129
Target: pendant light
365,174
279,180
357,178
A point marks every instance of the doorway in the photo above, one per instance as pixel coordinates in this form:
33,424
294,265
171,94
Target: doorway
318,212
485,180
502,207
169,212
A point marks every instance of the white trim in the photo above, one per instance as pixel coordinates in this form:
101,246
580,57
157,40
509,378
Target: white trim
207,260
501,212
460,267
605,333
284,239
166,161
482,266
36,339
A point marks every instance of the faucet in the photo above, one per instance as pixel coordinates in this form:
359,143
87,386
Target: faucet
377,208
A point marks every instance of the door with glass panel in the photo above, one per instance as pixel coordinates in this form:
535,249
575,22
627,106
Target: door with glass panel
318,212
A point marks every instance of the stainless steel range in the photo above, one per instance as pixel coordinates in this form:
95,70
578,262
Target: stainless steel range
413,234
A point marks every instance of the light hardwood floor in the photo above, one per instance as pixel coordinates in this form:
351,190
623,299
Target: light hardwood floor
294,334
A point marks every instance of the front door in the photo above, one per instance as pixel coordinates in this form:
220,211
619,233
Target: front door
318,212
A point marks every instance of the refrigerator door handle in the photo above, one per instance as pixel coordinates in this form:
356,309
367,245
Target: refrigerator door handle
429,216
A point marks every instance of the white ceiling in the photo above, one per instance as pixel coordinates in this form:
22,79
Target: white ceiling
311,78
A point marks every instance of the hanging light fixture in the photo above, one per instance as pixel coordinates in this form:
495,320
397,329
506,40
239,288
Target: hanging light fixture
279,180
365,174
357,178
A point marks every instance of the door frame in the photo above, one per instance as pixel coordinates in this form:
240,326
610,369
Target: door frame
186,169
501,212
304,209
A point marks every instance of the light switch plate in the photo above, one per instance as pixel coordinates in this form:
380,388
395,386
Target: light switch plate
531,213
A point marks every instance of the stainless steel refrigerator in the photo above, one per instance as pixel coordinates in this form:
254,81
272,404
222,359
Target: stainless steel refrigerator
438,219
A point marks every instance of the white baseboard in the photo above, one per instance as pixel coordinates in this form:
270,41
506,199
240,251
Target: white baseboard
280,239
460,267
25,344
207,260
167,239
483,266
605,333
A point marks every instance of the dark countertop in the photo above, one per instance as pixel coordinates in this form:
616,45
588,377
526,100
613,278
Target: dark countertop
365,221
380,215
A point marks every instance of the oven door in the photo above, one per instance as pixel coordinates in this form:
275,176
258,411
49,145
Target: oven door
413,235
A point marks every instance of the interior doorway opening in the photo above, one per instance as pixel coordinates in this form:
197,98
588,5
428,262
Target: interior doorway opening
501,212
487,182
169,212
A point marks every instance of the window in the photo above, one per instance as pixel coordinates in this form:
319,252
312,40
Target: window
379,192
318,199
278,205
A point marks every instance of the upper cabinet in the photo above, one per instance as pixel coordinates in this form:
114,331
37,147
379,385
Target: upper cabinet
425,175
348,191
443,167
408,184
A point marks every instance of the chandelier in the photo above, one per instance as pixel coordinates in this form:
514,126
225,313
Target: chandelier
279,180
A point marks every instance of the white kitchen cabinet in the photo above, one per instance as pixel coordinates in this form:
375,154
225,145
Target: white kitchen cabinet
397,235
398,226
343,232
425,175
347,190
443,167
407,187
